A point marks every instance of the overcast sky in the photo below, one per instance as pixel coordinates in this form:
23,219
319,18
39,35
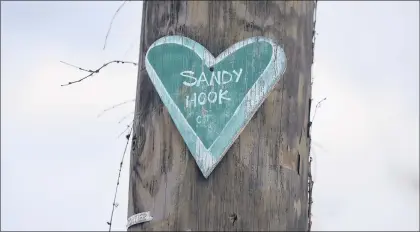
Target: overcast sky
59,160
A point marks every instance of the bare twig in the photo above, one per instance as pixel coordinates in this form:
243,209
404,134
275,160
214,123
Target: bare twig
128,127
74,66
122,119
115,106
114,204
112,21
92,72
318,105
130,47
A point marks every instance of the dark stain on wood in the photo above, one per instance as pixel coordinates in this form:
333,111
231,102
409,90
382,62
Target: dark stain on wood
261,183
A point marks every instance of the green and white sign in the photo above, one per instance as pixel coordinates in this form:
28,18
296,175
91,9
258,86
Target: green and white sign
212,99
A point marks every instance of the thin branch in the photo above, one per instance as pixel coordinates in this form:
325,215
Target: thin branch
114,204
318,105
112,21
126,116
128,127
115,106
92,72
130,47
74,66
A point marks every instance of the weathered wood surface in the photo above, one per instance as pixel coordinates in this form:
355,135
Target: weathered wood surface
261,183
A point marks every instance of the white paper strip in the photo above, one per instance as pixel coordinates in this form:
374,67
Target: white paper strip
139,218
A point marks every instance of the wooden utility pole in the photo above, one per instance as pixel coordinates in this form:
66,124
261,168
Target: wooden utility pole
262,181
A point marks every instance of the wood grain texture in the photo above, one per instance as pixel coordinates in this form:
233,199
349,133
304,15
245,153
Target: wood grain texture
261,183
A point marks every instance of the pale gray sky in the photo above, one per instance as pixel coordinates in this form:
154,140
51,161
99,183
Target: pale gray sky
59,161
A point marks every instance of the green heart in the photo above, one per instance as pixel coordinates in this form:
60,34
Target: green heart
211,100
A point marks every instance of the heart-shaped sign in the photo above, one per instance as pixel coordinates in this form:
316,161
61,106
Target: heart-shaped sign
212,99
